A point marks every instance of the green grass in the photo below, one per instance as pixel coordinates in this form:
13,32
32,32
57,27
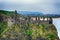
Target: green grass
7,13
3,26
33,30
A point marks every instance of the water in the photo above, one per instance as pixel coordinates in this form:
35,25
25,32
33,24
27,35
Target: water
56,22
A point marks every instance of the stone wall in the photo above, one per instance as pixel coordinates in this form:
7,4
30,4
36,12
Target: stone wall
3,18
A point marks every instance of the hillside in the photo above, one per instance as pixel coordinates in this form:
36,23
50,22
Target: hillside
30,32
9,13
31,13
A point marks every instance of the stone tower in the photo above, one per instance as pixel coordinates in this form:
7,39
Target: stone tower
51,21
15,16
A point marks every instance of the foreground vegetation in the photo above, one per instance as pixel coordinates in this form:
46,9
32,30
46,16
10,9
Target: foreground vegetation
3,26
29,32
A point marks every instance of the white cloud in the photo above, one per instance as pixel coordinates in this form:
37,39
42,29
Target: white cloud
28,1
45,6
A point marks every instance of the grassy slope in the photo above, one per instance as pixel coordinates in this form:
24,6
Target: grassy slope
8,13
44,31
3,26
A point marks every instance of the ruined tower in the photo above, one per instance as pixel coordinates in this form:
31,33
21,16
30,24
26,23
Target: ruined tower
51,21
15,16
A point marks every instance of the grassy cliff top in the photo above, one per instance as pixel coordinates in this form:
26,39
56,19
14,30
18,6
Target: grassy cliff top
7,13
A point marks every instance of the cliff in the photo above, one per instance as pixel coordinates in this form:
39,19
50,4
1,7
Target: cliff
26,31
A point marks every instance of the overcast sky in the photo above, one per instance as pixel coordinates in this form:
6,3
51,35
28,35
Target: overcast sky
44,6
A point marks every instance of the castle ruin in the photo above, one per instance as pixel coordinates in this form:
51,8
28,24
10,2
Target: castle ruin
25,20
29,19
